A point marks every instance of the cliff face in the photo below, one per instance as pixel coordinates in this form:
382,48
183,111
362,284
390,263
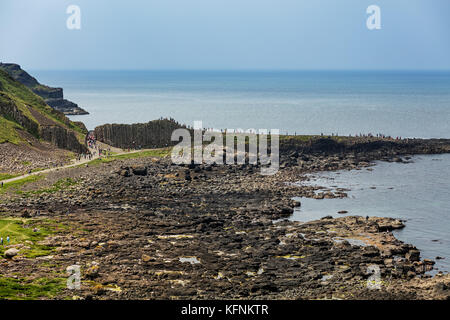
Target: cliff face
54,97
154,134
9,110
21,111
62,138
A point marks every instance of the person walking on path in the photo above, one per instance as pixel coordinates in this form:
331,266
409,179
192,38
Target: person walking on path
7,240
1,241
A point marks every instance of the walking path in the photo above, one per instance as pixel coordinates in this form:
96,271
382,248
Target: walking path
74,163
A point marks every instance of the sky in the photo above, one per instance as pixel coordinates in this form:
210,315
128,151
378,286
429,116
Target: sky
226,35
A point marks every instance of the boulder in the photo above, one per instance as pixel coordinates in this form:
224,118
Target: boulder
296,203
124,173
140,171
26,214
11,253
92,272
413,255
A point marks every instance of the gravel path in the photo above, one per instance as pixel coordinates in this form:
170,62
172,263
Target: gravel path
73,164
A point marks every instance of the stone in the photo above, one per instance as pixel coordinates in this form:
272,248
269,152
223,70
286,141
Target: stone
413,255
26,214
140,171
11,253
92,272
296,203
124,173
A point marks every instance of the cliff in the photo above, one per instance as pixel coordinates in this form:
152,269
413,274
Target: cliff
154,134
54,97
24,114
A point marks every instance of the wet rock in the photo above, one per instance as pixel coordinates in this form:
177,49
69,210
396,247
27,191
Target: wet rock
287,211
296,203
413,255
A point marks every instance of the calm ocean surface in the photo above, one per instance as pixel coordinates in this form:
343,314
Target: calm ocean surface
406,104
417,192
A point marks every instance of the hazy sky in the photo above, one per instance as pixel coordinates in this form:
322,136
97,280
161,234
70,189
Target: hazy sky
226,34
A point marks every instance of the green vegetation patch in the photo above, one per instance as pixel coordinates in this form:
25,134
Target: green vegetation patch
16,185
25,289
8,131
159,153
57,186
6,176
25,235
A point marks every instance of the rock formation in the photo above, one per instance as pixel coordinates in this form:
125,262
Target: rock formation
27,114
52,96
154,134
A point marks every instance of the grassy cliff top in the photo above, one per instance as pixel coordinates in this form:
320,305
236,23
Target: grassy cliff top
21,109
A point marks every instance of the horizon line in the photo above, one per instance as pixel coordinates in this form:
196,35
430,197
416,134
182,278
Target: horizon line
243,70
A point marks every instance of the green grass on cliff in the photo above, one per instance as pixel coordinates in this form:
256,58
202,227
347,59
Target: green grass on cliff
8,131
22,97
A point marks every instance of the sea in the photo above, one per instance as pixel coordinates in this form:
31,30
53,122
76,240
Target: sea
407,104
417,192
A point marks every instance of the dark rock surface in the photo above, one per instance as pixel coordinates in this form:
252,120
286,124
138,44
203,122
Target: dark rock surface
154,134
217,235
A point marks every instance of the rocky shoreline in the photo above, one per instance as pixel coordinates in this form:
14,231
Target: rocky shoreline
147,229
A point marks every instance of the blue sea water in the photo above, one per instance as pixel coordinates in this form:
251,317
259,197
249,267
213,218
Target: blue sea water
406,104
417,192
